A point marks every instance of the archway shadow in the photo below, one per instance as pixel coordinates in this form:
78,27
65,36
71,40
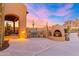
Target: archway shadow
57,33
5,45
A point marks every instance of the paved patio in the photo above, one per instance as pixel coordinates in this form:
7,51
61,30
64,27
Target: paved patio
43,47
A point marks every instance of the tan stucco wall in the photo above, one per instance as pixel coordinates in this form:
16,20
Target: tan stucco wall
19,10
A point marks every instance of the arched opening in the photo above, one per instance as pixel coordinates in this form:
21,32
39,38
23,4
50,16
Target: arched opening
57,33
11,24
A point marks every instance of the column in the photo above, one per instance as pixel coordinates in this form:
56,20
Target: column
14,26
1,24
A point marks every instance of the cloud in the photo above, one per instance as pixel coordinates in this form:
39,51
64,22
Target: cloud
63,10
41,14
44,12
39,22
38,15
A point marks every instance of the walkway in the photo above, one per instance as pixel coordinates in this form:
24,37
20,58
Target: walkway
43,47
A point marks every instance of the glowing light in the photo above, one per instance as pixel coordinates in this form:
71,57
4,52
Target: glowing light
22,35
7,38
23,32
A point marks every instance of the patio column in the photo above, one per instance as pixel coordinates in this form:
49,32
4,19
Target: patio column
14,26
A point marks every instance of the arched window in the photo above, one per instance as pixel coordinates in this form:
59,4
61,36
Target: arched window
57,33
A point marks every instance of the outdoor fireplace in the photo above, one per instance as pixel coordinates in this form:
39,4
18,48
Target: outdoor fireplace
58,33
